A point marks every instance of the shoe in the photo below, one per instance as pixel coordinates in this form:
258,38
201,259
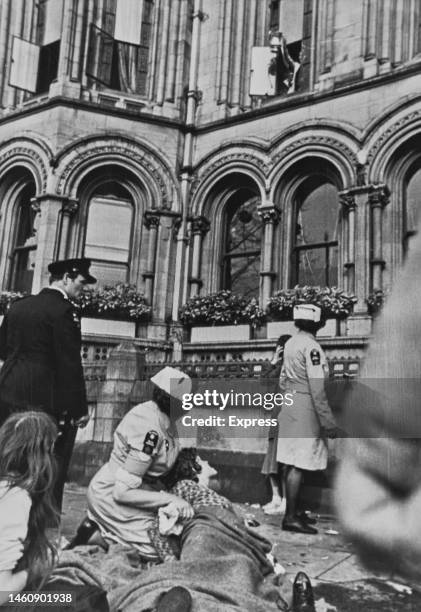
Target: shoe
275,507
83,534
177,599
298,526
302,594
303,516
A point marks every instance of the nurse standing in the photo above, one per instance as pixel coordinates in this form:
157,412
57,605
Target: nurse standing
303,425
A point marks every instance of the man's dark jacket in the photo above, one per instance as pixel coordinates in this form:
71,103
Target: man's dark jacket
40,341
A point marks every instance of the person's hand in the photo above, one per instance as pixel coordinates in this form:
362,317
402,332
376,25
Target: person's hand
82,422
185,510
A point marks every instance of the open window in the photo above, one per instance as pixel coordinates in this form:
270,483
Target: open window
35,65
119,59
283,67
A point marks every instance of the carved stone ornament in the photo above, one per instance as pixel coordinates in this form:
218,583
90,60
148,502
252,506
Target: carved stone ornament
269,214
347,201
70,207
325,141
209,167
34,157
83,153
395,128
150,220
379,196
200,225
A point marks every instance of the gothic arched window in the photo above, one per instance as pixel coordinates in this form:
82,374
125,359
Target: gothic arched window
241,249
315,235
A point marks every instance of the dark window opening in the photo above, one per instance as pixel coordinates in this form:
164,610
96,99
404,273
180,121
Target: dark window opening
48,66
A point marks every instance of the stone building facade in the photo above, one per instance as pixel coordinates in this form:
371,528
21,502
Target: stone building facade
128,134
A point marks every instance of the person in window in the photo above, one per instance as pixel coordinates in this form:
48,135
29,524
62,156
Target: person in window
304,424
40,341
283,69
125,495
270,467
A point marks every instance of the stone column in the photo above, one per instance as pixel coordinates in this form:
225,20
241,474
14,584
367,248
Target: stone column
385,10
378,197
270,216
69,208
349,205
50,206
199,227
151,222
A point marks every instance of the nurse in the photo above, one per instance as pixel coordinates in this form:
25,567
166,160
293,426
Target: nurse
125,495
305,424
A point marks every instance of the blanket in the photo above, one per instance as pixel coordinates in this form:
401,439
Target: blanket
223,564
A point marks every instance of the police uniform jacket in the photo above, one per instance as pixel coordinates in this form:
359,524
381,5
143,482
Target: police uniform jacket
40,341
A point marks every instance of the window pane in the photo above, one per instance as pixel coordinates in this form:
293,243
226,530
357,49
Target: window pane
25,243
245,275
318,266
244,229
291,20
413,198
242,247
109,229
317,219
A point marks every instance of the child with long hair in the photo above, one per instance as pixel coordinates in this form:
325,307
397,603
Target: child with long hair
27,475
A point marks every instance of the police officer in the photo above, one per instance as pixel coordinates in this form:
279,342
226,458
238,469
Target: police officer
304,423
40,341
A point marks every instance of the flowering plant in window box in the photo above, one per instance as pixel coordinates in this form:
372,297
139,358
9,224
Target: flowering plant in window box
375,302
221,308
335,303
122,302
7,298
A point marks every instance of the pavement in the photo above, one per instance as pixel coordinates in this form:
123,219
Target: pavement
340,583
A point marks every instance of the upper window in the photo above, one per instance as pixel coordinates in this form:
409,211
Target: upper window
315,250
412,208
24,243
35,65
241,256
108,237
118,56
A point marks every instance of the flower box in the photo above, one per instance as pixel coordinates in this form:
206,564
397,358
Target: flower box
330,329
279,328
220,333
108,327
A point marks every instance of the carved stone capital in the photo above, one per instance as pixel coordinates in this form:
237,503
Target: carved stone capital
36,205
70,207
347,201
378,196
151,220
200,225
269,214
